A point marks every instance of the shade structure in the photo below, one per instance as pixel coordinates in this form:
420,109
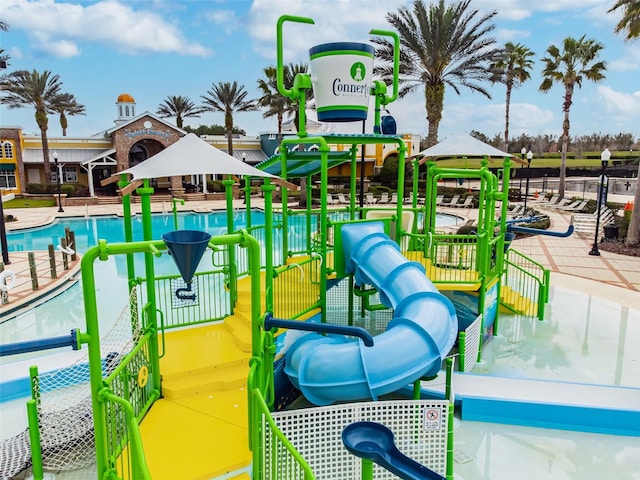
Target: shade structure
462,144
192,156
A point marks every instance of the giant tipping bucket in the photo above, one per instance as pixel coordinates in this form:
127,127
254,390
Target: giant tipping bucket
341,77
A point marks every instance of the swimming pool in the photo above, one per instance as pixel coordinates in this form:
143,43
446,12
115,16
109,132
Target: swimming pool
66,310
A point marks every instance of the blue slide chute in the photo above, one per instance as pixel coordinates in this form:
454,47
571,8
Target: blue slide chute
327,369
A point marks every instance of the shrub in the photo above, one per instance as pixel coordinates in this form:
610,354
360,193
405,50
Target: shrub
215,186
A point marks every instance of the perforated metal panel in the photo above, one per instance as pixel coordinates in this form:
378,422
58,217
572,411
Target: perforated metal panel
419,426
472,344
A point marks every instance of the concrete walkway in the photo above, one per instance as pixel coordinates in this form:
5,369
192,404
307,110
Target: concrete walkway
568,258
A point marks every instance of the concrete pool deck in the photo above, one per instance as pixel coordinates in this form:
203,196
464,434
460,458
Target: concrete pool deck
567,258
493,450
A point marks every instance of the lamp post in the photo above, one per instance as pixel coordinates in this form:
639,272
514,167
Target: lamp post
523,152
602,197
58,175
526,193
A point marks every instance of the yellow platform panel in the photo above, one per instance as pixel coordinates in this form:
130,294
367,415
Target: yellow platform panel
199,429
184,443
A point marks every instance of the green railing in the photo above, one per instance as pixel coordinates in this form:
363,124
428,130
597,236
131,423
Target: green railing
205,300
296,288
273,455
456,252
258,232
529,282
127,395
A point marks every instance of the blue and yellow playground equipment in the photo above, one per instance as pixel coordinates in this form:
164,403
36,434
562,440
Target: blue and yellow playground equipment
300,348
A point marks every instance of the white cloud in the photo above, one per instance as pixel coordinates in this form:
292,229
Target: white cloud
225,19
489,119
619,107
346,20
628,62
59,28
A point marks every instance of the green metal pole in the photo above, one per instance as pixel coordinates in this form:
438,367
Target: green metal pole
128,229
268,189
233,288
449,377
34,425
34,439
402,150
284,197
147,234
367,469
247,199
92,339
174,202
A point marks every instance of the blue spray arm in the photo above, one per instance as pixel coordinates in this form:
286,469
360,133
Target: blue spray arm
537,231
270,322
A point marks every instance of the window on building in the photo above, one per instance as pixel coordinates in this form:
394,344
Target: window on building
133,111
120,110
6,150
126,110
70,174
7,176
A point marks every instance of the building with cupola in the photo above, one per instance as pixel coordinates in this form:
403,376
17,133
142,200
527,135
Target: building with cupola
82,163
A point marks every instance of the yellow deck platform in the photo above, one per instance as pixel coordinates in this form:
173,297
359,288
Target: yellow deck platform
198,430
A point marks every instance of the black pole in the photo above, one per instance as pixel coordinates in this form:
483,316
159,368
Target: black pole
60,209
594,249
526,192
362,172
3,235
520,187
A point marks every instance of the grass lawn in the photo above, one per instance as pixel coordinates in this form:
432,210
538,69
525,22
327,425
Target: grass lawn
29,203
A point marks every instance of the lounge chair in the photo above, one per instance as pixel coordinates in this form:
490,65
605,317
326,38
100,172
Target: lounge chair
452,202
384,197
371,200
331,200
563,204
394,197
560,203
466,203
516,211
551,201
439,199
342,199
576,206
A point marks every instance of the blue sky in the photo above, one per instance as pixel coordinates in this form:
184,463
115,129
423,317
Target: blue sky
156,48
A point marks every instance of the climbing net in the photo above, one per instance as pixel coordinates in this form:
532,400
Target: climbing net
64,405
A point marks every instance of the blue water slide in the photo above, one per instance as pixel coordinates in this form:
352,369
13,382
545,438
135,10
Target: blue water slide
333,368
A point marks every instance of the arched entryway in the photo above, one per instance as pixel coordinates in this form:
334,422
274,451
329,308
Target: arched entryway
143,149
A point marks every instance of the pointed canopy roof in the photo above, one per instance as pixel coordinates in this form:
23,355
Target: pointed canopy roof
192,156
462,145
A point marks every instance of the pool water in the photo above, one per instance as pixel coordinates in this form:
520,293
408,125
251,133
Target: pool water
66,311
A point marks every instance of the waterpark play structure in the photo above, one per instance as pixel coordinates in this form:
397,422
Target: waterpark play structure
276,354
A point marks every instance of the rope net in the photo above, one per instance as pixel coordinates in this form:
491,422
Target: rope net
64,405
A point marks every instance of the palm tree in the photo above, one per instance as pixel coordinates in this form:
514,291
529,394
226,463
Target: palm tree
228,98
38,90
4,59
179,107
271,99
275,103
65,105
630,21
570,67
512,68
440,46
